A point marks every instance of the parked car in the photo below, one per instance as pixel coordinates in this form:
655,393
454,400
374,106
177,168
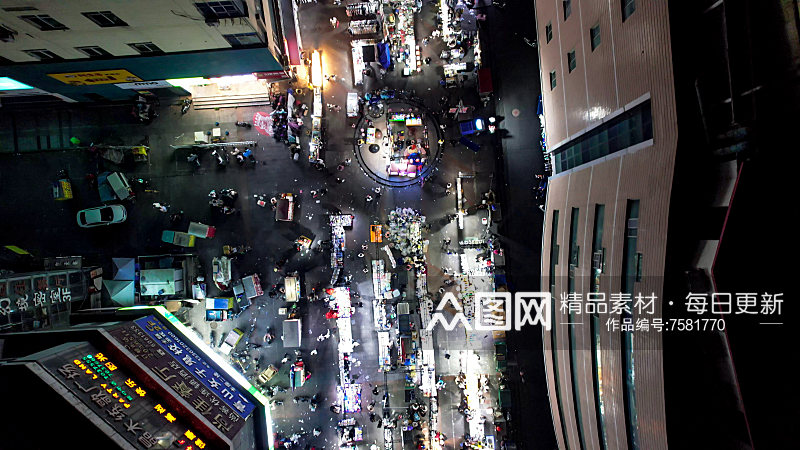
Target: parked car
102,215
230,341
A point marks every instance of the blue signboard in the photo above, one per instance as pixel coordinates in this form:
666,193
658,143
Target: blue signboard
195,363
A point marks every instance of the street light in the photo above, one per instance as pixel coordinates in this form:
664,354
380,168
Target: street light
316,69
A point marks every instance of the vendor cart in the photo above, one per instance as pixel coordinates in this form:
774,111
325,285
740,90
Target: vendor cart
284,210
292,286
222,273
62,188
178,238
218,309
113,186
352,104
298,374
252,286
376,233
267,374
201,230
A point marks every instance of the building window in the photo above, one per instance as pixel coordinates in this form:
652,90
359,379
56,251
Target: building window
628,358
93,52
221,10
573,322
598,262
242,39
43,55
574,350
628,8
44,22
594,36
554,249
146,48
571,60
552,79
628,129
567,8
7,34
105,19
548,31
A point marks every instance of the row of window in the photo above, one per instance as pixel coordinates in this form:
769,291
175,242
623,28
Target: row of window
210,10
572,61
628,7
630,128
631,270
144,48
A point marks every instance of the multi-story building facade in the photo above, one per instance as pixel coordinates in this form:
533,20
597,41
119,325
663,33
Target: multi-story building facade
650,109
83,50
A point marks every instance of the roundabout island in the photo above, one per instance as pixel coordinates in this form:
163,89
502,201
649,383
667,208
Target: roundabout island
397,142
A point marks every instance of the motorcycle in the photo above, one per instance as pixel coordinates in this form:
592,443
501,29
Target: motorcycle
185,105
229,194
222,157
314,402
243,124
194,159
244,156
269,337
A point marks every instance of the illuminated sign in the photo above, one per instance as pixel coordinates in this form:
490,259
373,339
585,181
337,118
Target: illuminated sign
139,85
194,363
10,84
95,77
116,397
187,373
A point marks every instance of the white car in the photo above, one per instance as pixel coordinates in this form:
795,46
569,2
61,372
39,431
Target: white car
102,215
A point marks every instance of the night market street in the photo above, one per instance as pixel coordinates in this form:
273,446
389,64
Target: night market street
398,398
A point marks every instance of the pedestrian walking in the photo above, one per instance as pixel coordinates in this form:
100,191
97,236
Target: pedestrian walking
369,198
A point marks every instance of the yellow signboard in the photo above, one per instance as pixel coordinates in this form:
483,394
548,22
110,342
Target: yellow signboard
95,77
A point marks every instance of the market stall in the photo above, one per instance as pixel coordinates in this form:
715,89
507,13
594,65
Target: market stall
381,280
349,397
366,26
338,223
408,141
384,351
315,144
400,33
284,209
292,288
362,9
